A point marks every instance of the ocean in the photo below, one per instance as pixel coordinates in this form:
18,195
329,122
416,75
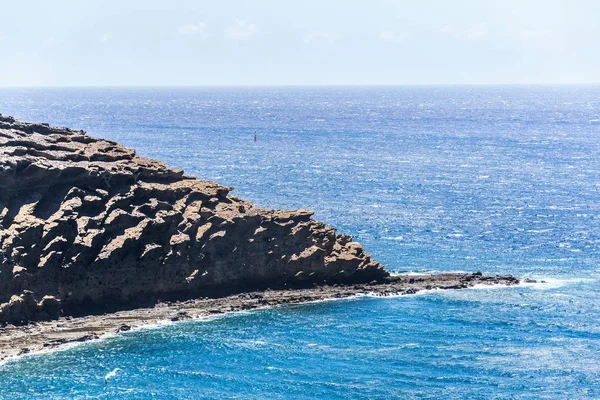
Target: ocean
497,179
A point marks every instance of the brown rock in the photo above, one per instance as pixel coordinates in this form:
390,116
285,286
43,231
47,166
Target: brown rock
87,224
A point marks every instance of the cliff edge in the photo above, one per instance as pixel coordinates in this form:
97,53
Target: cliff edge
86,225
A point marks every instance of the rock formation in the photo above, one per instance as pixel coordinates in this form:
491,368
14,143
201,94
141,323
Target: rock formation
86,224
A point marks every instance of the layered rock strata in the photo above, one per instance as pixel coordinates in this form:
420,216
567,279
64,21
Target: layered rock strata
86,225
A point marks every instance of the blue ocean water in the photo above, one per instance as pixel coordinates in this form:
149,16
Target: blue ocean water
493,179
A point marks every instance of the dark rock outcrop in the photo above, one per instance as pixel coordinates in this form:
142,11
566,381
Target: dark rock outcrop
86,224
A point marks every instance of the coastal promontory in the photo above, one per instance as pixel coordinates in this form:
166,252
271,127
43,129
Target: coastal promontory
86,225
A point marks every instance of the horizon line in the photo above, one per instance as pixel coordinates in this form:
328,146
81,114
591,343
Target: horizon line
160,86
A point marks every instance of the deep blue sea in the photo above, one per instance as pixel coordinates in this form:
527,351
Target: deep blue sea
502,180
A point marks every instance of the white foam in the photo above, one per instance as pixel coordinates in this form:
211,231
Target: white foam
61,347
111,374
426,273
395,238
539,284
553,283
158,324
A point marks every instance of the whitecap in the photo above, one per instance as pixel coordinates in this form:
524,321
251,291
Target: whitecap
553,283
396,238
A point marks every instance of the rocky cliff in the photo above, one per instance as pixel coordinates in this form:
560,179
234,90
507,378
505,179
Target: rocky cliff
87,225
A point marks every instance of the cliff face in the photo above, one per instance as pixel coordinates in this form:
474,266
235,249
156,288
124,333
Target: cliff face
85,223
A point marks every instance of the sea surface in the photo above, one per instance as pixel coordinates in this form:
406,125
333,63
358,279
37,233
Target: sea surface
502,180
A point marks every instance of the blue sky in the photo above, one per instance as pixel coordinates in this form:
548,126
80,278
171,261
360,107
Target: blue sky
308,42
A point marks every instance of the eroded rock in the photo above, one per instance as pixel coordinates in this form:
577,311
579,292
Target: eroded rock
87,224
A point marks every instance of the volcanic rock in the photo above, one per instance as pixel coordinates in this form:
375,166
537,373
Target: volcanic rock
86,226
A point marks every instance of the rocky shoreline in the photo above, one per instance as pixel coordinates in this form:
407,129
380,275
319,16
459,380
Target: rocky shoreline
96,240
88,226
46,335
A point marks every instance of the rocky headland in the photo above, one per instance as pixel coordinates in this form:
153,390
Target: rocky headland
86,225
95,239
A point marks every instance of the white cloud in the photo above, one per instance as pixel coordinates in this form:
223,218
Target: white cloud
389,36
321,37
242,30
104,38
198,29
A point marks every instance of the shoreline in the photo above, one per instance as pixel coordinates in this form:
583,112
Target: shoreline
51,335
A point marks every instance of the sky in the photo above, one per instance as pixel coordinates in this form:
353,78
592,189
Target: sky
307,42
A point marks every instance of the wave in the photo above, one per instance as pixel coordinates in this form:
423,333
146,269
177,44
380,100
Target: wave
553,283
159,324
426,272
61,347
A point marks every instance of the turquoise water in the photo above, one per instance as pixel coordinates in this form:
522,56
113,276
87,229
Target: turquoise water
491,179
